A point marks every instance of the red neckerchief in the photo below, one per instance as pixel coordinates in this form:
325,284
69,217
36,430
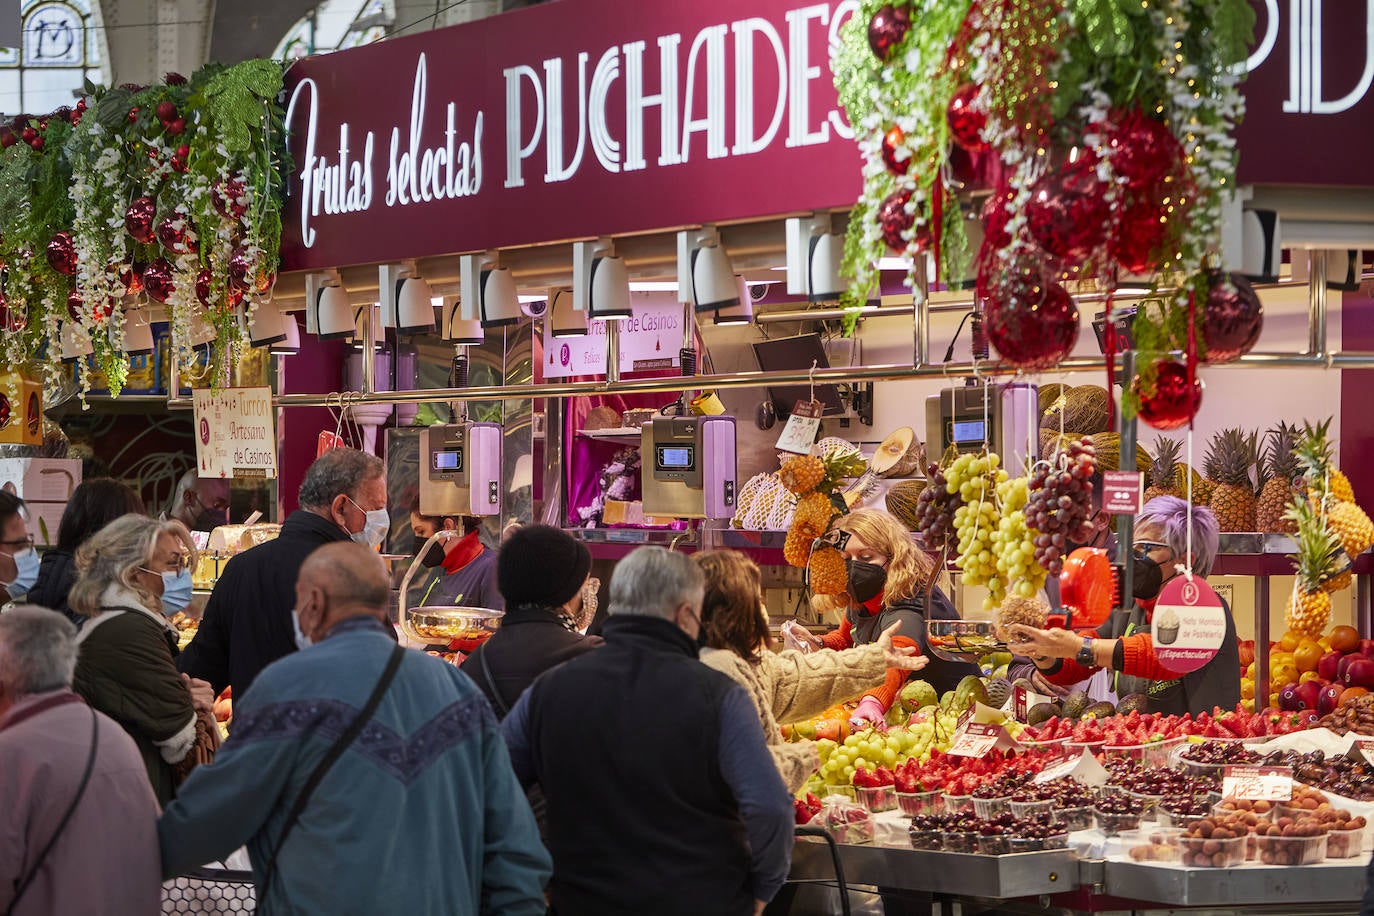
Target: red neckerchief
42,706
873,605
1148,605
468,548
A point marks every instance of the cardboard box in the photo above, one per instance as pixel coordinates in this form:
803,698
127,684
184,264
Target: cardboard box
44,480
44,519
21,409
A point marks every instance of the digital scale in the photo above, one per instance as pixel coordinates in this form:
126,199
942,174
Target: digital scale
1006,419
688,467
460,469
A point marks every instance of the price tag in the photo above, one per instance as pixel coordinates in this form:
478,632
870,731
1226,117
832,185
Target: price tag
1274,784
1123,492
327,442
1023,699
1366,748
800,432
975,739
1084,769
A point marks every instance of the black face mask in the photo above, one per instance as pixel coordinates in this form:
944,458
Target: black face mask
434,556
866,580
1147,578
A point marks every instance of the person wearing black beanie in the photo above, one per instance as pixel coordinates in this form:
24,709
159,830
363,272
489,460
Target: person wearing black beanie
543,574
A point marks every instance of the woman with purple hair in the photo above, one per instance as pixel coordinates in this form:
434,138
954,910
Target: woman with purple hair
1123,644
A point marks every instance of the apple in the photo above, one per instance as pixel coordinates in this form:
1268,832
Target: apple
1310,691
1329,698
1289,699
1367,647
1360,673
1246,649
1344,664
1327,665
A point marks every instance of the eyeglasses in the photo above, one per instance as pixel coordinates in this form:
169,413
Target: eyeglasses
26,541
1142,549
176,564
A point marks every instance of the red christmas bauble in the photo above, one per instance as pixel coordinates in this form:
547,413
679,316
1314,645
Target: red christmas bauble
100,312
1231,317
138,219
1033,324
172,235
240,270
131,275
892,140
203,286
1174,403
1144,151
157,280
62,253
9,319
1138,235
894,219
887,28
966,122
264,281
228,198
74,304
1068,214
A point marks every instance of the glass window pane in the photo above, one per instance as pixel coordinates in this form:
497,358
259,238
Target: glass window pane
54,36
46,89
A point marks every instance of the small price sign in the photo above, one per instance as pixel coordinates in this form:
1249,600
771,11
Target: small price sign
1123,492
975,739
1273,784
800,432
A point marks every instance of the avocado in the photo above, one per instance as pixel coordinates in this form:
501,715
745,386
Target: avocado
1136,702
1041,712
1098,711
1075,703
999,691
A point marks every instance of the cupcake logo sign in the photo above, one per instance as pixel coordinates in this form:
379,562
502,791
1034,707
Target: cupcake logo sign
1188,625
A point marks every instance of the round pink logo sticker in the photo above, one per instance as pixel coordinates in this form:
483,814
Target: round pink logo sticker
204,431
1188,625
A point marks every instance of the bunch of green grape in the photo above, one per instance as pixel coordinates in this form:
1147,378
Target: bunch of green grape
1018,572
975,479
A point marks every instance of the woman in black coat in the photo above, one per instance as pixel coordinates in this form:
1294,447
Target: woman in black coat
93,505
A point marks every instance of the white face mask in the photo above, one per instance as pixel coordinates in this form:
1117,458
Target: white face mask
26,565
375,527
301,639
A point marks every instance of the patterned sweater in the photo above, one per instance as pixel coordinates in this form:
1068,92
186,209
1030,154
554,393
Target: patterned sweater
790,686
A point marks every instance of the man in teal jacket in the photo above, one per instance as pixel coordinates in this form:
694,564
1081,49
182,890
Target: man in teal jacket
421,813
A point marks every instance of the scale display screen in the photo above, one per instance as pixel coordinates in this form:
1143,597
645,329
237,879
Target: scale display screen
676,457
968,431
448,460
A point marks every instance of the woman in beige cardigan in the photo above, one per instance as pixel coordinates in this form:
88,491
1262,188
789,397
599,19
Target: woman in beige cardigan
785,686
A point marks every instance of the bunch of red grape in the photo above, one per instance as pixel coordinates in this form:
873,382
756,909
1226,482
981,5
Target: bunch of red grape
1061,503
935,509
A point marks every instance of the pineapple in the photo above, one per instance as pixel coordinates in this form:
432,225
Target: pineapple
1340,487
1280,467
1228,463
1351,526
1164,468
802,473
1319,569
826,572
814,511
796,549
1202,487
1313,451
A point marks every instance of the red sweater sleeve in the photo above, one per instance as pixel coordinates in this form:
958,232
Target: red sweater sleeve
1139,659
896,677
1070,671
839,639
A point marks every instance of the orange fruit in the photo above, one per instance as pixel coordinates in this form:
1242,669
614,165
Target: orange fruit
1349,694
1290,640
1308,676
1306,656
1344,639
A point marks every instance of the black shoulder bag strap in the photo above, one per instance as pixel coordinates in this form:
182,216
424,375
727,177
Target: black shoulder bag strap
62,825
501,706
331,757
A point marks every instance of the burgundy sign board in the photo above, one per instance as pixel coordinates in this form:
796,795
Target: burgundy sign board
584,118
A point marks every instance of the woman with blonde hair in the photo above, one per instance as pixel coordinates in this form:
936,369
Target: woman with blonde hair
785,686
125,665
890,581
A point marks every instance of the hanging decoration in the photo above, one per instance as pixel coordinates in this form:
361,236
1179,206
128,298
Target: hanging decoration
142,189
1103,129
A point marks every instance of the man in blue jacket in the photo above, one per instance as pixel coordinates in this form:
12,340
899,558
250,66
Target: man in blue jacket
420,813
662,796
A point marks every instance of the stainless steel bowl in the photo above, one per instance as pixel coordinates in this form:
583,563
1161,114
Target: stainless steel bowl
963,640
445,624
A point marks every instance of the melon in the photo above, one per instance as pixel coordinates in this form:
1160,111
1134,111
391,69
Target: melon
1049,394
1084,411
898,455
902,501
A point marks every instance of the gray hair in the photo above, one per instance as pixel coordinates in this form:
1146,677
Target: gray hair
37,651
654,582
114,554
339,470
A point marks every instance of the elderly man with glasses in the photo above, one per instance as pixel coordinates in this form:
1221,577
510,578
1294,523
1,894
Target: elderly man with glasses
1123,644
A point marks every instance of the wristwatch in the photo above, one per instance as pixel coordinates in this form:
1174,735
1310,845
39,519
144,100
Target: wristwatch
1085,654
